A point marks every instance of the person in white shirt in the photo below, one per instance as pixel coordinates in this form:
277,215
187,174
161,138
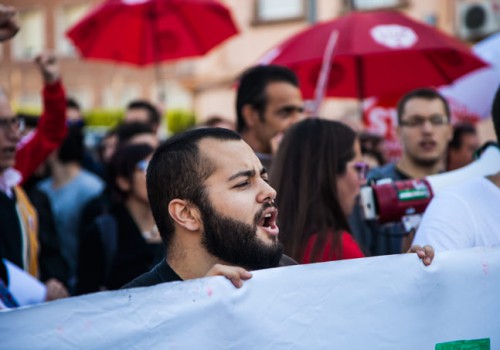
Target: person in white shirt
465,215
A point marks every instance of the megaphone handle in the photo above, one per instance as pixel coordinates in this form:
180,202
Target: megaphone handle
411,222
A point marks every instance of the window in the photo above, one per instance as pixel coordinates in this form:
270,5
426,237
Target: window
30,99
67,16
119,95
279,10
30,40
376,4
82,94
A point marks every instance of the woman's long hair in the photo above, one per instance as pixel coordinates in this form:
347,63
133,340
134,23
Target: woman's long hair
312,154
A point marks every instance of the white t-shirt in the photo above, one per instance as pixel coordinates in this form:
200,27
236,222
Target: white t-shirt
462,216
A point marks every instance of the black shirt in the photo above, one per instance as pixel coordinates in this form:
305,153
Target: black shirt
164,273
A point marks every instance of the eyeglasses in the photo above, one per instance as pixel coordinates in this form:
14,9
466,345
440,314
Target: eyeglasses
13,122
419,121
143,165
362,169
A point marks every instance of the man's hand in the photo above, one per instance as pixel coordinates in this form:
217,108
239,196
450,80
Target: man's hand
9,25
49,67
55,290
426,254
233,273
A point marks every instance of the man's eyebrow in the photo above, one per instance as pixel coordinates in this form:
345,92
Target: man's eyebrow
290,107
244,173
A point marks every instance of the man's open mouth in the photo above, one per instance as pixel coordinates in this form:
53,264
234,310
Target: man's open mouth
267,221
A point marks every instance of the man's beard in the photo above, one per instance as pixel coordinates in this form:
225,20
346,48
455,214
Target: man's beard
426,163
236,242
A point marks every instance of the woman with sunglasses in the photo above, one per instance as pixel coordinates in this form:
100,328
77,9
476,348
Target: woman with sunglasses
317,173
124,242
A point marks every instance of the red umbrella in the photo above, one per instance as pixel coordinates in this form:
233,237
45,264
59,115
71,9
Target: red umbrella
151,31
376,53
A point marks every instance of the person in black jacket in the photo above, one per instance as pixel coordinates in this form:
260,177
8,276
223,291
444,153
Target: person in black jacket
123,242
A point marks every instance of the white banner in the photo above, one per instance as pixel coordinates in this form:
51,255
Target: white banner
389,302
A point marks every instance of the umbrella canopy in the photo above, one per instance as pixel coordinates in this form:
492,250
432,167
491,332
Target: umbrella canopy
142,32
377,53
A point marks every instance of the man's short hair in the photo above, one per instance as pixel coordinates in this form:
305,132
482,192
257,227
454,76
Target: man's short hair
177,170
459,131
72,148
72,103
153,113
426,94
125,132
495,113
252,88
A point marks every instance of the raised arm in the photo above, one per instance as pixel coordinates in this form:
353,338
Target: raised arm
52,128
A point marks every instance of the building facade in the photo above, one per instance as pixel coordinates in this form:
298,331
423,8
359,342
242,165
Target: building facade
204,85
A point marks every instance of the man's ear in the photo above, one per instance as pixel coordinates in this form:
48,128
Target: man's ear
250,115
185,214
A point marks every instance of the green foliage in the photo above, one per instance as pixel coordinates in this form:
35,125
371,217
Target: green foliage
103,117
31,111
179,120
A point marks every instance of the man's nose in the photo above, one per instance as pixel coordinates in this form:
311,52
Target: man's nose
266,193
427,127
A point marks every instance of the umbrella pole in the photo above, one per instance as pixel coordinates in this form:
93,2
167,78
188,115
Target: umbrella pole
324,74
360,85
162,96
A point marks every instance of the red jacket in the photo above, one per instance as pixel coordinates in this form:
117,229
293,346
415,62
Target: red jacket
49,134
350,249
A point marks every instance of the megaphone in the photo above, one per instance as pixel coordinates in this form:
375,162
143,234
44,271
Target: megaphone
393,201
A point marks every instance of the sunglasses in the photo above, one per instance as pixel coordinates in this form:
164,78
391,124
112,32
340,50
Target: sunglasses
362,169
143,165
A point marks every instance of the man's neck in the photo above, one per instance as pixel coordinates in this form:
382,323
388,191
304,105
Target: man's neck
191,260
417,171
64,173
257,146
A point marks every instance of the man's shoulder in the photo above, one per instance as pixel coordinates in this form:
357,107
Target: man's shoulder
161,273
90,179
287,261
475,189
147,279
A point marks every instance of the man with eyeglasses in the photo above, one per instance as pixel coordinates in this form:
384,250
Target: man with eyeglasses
19,231
465,215
424,131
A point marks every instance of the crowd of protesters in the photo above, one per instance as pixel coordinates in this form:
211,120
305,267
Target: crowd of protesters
138,210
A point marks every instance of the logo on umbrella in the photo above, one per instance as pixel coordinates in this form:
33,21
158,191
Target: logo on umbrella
394,36
134,2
